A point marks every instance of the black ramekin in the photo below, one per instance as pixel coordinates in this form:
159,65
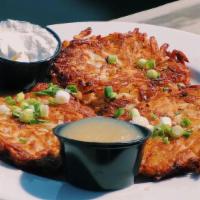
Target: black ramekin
23,75
101,166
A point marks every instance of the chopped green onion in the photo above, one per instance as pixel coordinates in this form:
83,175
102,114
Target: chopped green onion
165,140
42,120
161,130
141,62
185,122
72,88
108,92
134,112
153,74
52,101
24,104
16,111
147,64
37,121
20,97
9,100
177,131
150,64
119,112
26,115
23,140
44,111
154,116
32,101
112,59
50,91
113,95
187,133
37,111
165,89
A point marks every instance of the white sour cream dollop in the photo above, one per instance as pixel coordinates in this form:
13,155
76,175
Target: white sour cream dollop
25,42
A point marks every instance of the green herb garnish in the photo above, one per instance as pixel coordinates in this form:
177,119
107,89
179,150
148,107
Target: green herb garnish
185,122
152,74
141,63
165,140
20,97
146,63
108,92
50,91
16,111
119,112
52,101
112,59
72,88
161,130
187,133
26,115
150,64
9,100
38,121
154,116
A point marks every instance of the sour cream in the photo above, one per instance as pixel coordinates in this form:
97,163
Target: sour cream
25,42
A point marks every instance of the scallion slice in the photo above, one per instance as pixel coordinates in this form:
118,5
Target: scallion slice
108,92
20,97
141,63
185,122
165,140
72,88
50,91
150,64
187,133
9,100
112,59
153,74
119,112
146,63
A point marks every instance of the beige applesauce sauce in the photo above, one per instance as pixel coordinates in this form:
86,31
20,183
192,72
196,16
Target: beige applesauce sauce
102,130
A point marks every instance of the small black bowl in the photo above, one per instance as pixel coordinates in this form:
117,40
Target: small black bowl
23,75
101,166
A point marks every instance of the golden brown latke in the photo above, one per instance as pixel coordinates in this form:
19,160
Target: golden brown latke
182,154
83,61
35,146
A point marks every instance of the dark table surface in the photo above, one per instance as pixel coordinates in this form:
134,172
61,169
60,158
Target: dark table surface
45,12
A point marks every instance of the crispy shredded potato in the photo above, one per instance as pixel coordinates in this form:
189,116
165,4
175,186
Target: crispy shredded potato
84,62
34,146
182,154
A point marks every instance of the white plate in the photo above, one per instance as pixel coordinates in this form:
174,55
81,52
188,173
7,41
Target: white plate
16,184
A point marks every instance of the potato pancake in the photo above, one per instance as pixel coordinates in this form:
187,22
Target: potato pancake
33,145
183,153
117,60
